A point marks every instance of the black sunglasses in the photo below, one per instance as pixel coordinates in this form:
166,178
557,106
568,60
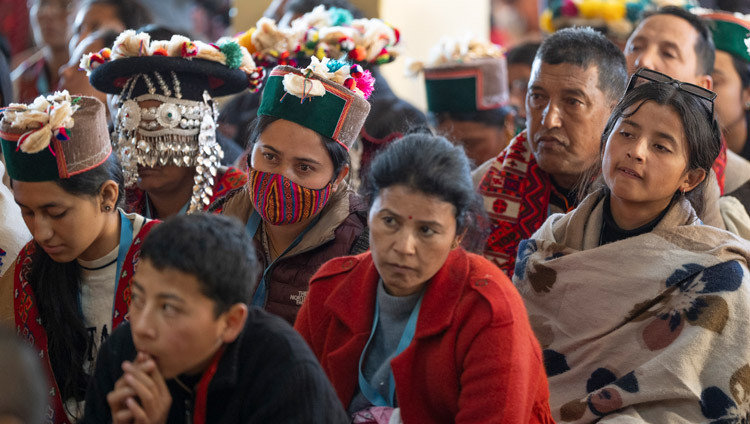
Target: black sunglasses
654,76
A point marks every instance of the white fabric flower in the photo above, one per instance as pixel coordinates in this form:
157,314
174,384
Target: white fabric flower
41,119
451,50
319,17
299,86
131,44
209,52
374,35
267,37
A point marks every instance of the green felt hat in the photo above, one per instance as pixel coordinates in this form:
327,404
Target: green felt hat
729,31
480,84
338,114
57,153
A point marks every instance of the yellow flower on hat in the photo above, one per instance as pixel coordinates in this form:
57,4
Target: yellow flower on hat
545,21
613,11
609,10
246,40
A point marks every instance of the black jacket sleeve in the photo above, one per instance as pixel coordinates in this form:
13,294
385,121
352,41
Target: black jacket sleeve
300,393
117,348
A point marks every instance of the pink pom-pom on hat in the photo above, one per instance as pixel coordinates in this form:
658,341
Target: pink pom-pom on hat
365,83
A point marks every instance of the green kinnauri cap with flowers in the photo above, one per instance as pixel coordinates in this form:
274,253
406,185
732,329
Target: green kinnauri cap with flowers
329,97
464,75
729,30
55,137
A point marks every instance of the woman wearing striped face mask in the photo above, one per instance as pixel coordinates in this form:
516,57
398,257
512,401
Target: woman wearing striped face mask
297,205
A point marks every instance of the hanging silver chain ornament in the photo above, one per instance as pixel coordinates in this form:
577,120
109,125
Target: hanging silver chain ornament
177,132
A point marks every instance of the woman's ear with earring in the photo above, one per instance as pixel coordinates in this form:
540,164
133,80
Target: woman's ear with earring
108,195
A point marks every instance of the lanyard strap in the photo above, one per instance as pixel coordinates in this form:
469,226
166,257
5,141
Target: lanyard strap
253,223
126,239
372,395
201,396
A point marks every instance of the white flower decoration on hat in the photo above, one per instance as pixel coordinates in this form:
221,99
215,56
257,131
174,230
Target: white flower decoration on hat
131,44
451,50
46,117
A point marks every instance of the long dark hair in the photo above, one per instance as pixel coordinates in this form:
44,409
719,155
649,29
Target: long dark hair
56,287
434,166
701,130
339,155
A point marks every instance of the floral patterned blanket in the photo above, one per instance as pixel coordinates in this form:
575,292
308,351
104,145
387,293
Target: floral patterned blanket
653,328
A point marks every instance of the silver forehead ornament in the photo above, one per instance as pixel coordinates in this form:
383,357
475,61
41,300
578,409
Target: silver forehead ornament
177,132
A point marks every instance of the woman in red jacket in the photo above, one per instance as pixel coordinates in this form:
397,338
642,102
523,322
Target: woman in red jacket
419,329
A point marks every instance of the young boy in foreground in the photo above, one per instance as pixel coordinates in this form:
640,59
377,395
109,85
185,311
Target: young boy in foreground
193,351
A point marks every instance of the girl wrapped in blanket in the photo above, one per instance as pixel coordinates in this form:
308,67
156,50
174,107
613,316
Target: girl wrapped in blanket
640,308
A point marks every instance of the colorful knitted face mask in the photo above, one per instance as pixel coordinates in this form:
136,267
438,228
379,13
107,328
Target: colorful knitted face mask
281,201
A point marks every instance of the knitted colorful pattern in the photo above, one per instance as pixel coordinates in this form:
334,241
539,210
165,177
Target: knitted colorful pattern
516,195
29,324
232,178
280,201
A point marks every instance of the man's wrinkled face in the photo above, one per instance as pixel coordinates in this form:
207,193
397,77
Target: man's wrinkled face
566,112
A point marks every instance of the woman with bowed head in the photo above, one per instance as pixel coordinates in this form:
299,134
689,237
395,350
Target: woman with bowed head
297,206
418,329
70,286
639,307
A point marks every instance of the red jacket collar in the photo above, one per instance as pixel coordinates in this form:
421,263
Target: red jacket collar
353,300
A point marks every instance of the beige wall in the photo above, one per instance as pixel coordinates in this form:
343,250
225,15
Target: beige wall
248,13
421,22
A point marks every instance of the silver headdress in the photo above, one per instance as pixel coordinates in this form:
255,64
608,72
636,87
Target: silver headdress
178,132
182,76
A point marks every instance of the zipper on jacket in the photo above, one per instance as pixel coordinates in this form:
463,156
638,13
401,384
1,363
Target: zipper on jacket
188,412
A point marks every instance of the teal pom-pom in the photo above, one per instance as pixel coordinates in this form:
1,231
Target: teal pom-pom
233,52
634,11
556,7
340,16
335,65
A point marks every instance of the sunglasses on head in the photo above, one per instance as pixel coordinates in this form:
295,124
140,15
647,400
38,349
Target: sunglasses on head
653,76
